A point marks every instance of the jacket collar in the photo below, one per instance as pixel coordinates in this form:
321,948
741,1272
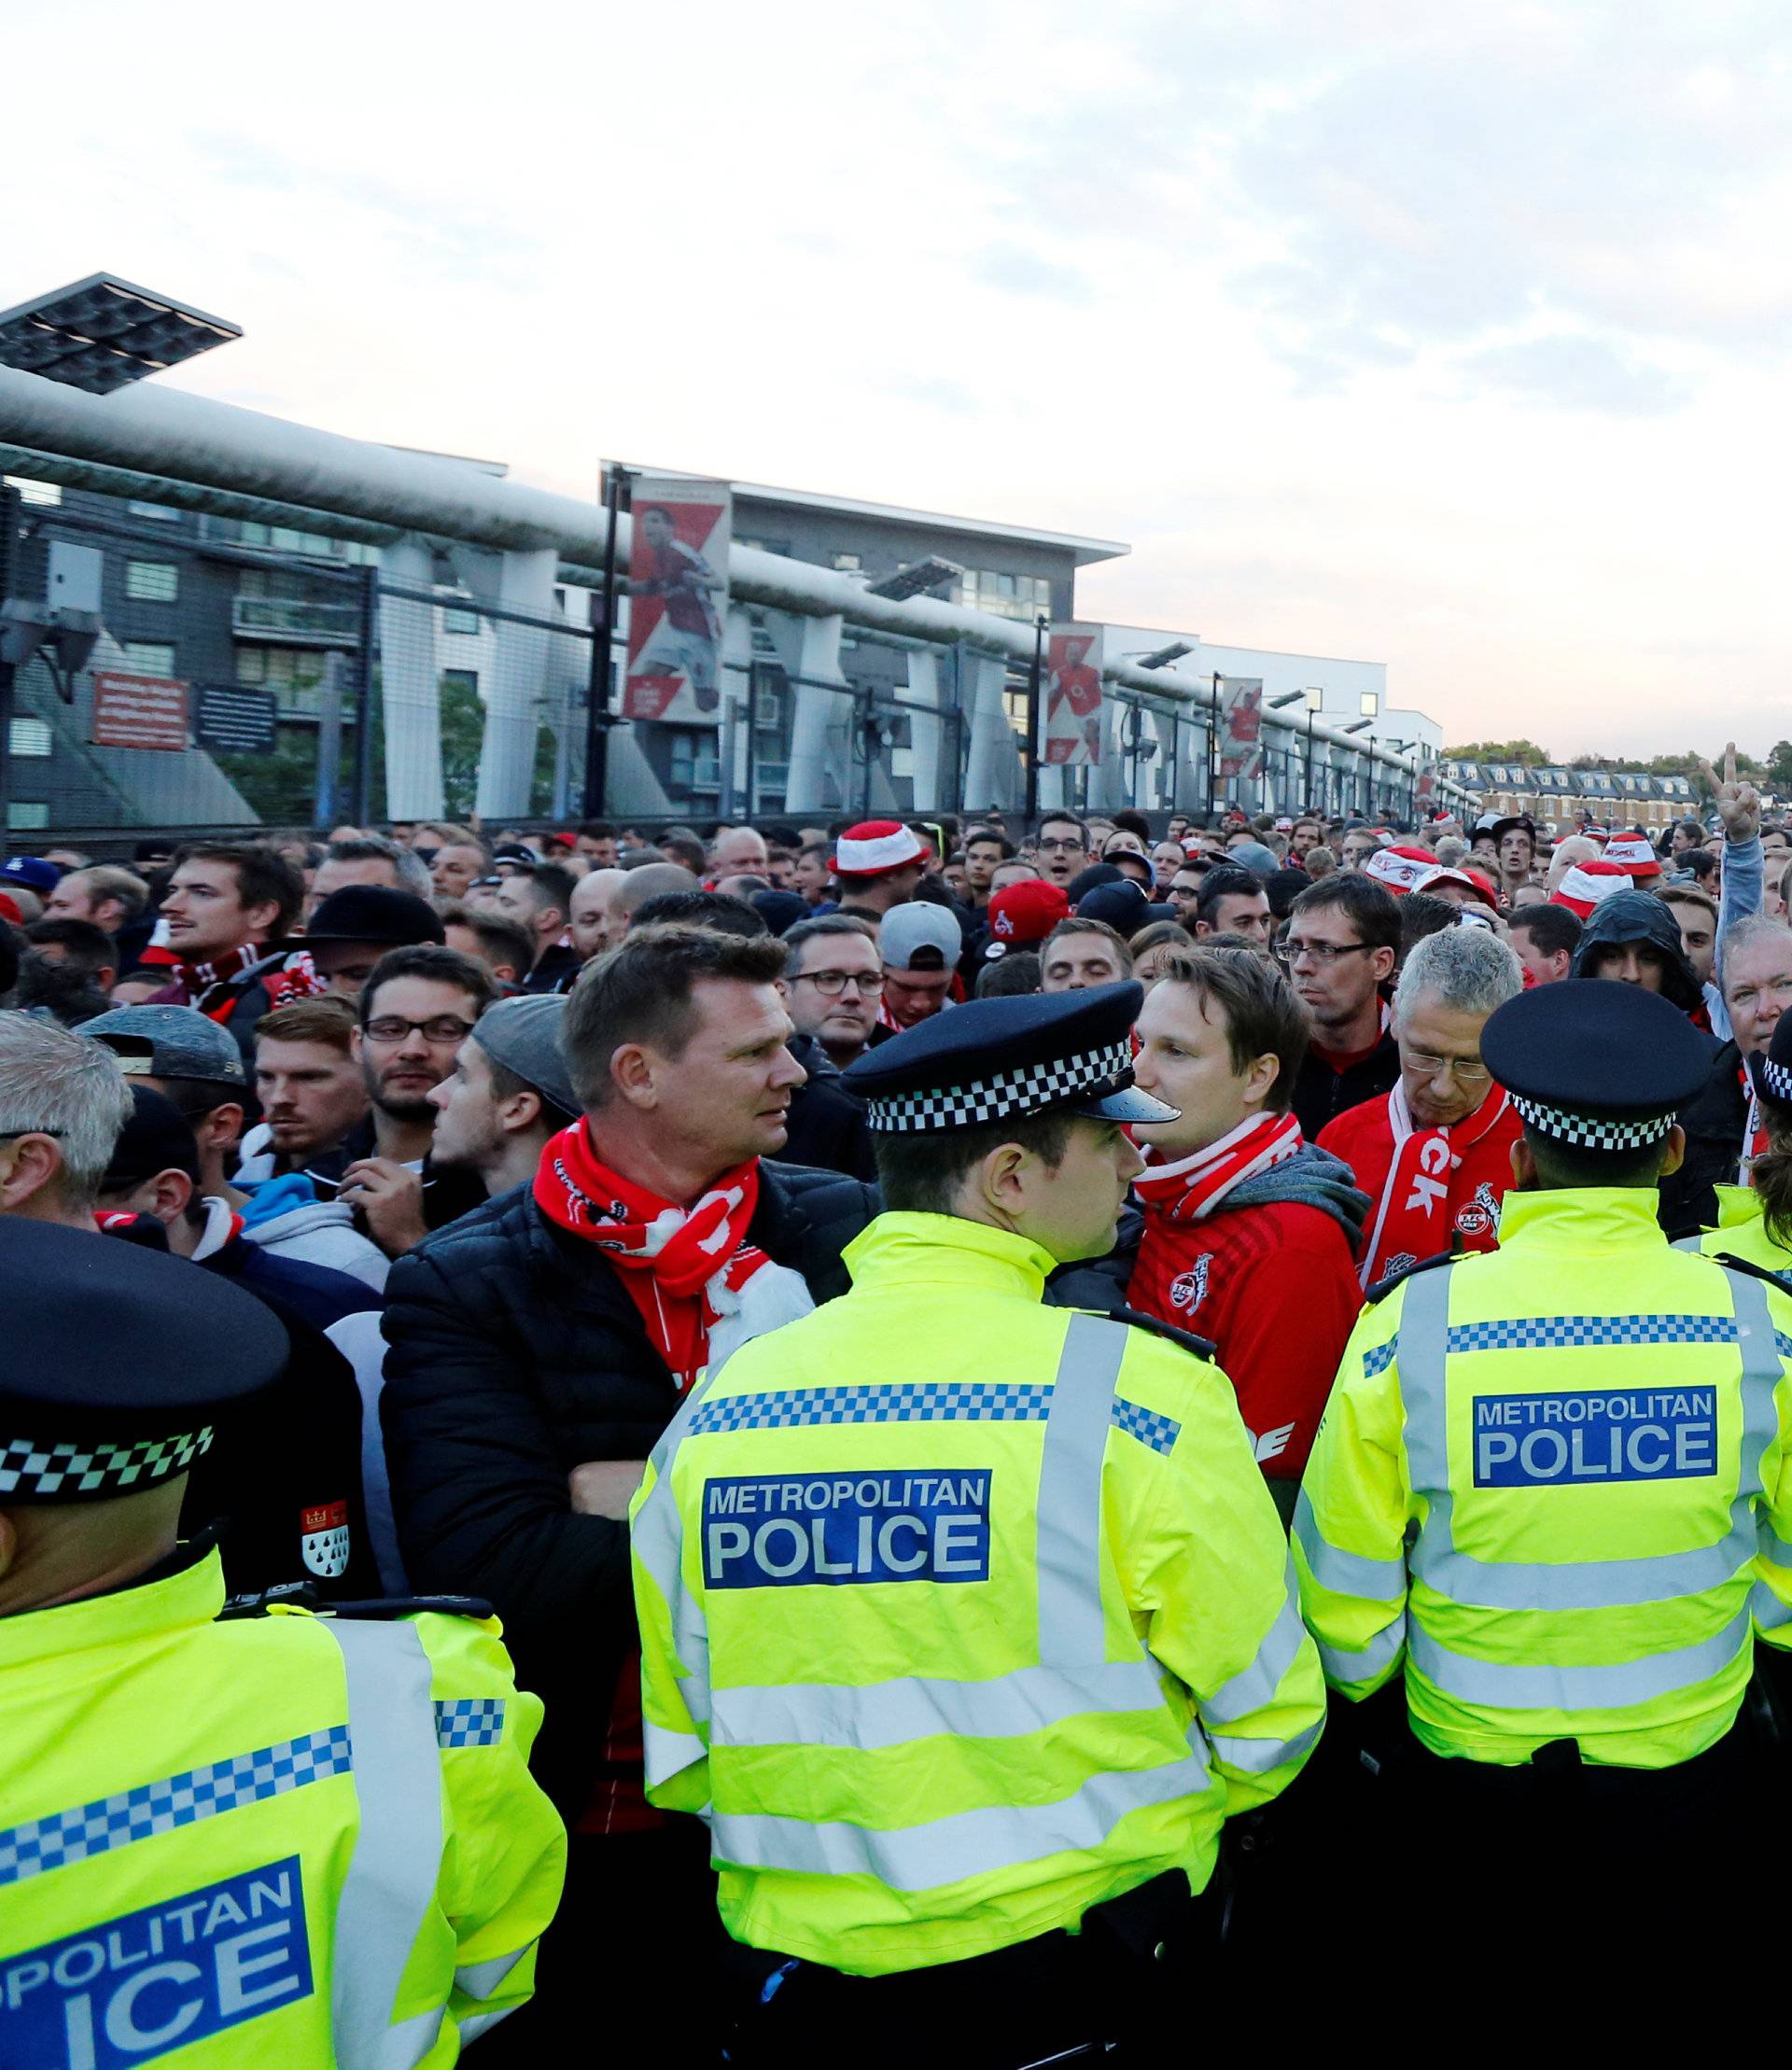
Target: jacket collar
946,1250
1581,1220
180,1596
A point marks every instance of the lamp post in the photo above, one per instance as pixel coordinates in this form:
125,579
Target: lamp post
1213,747
1403,747
1035,690
604,632
1279,703
1358,726
1315,696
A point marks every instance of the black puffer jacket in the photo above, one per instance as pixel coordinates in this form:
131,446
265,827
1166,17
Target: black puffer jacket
828,1127
515,1354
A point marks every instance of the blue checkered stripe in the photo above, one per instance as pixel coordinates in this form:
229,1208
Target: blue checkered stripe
1555,1332
912,1402
1159,1432
469,1721
1378,1357
97,1828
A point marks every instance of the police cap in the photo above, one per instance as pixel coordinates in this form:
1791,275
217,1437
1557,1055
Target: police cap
1599,1066
999,1059
1771,1075
134,1357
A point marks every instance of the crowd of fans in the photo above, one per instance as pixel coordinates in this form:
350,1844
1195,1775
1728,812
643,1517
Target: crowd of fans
395,1084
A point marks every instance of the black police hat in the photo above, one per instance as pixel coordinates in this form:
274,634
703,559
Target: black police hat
375,912
1598,1065
998,1059
1771,1075
134,1358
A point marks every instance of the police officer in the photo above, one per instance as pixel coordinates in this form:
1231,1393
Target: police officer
967,1621
1755,1220
1535,1496
288,1840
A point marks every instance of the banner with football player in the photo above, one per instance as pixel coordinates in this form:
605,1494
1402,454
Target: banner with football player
677,589
1071,696
1240,727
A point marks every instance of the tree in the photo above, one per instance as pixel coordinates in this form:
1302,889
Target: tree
1779,765
1526,752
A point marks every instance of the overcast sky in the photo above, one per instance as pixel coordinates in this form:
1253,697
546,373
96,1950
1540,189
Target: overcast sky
1452,337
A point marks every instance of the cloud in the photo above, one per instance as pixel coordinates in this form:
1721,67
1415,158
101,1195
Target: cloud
1017,272
1579,373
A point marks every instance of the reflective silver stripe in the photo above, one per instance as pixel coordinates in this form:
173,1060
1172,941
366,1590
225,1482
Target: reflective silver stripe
1381,1652
1259,1756
1346,1573
1769,1611
391,1883
483,2022
480,1979
1068,1558
657,1541
1254,1686
669,1753
1528,1686
1689,1243
891,1713
1572,1584
966,1844
1772,1546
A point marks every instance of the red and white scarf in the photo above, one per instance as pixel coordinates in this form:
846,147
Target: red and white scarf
1190,1189
702,1290
210,987
1754,1130
1422,1175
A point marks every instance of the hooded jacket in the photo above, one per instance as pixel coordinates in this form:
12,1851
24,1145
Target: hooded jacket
1715,1120
285,1217
1269,1277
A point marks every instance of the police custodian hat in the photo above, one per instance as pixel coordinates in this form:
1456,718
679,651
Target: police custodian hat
133,1356
999,1059
1594,1064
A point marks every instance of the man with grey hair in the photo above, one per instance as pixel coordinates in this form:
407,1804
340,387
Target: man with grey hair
1435,1156
63,1103
368,859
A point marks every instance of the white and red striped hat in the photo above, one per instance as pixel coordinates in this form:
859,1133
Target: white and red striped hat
1591,883
875,848
1400,870
1476,881
1633,854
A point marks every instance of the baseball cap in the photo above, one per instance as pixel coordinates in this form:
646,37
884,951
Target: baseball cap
1024,913
375,912
918,925
524,1035
1122,906
31,870
875,846
1476,881
158,1137
1254,856
169,1042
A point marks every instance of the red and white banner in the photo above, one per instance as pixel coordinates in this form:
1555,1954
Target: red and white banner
138,711
1240,727
1071,721
678,587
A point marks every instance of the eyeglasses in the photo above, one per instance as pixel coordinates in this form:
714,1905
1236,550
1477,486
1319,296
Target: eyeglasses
441,1028
1459,1068
1071,846
1324,953
831,984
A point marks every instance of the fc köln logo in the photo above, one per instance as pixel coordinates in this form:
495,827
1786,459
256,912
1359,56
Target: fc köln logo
1188,1289
323,1538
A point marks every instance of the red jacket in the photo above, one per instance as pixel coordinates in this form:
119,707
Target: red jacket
1275,1289
1430,1187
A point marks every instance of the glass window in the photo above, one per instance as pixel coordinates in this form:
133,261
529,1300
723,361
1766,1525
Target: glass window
165,511
150,657
848,563
152,581
26,818
1368,704
31,738
50,493
459,620
461,678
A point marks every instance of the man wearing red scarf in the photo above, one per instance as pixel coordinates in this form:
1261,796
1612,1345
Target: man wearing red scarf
538,1346
1436,1155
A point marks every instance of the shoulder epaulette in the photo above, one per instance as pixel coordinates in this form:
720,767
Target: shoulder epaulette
1382,1288
1781,1280
1201,1346
302,1595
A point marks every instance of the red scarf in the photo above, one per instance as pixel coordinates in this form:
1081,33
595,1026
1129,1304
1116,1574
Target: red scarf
680,1268
1754,1129
1464,1170
1190,1189
210,988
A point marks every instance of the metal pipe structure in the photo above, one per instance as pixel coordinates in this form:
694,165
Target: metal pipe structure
191,444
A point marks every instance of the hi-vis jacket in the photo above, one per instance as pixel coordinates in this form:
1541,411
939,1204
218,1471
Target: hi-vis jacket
960,1615
1742,1232
285,1840
1589,1431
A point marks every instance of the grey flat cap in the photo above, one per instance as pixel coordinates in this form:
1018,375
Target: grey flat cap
169,1042
524,1035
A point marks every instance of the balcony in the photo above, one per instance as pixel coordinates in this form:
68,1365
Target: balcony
302,621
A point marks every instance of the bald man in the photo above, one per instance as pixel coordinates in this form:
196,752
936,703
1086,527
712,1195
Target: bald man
588,916
652,880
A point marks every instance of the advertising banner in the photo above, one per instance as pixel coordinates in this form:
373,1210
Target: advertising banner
1240,727
1071,696
232,721
138,711
678,587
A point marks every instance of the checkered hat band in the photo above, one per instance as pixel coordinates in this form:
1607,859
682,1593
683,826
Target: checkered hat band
1776,1079
1027,1090
63,1472
1593,1131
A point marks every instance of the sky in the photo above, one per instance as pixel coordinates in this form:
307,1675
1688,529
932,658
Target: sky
1454,338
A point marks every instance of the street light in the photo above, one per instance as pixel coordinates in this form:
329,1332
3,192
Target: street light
1358,726
916,579
103,333
1161,657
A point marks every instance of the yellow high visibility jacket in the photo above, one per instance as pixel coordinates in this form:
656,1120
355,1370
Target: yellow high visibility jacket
960,1615
283,1840
1742,1232
1587,1432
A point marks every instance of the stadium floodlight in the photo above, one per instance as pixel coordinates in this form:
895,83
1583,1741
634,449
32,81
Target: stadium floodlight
1287,697
1359,726
103,333
916,579
1161,657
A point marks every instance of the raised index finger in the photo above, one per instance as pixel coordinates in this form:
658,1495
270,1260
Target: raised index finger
1730,762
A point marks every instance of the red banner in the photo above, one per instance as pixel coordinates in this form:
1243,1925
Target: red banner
1072,696
678,587
138,711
